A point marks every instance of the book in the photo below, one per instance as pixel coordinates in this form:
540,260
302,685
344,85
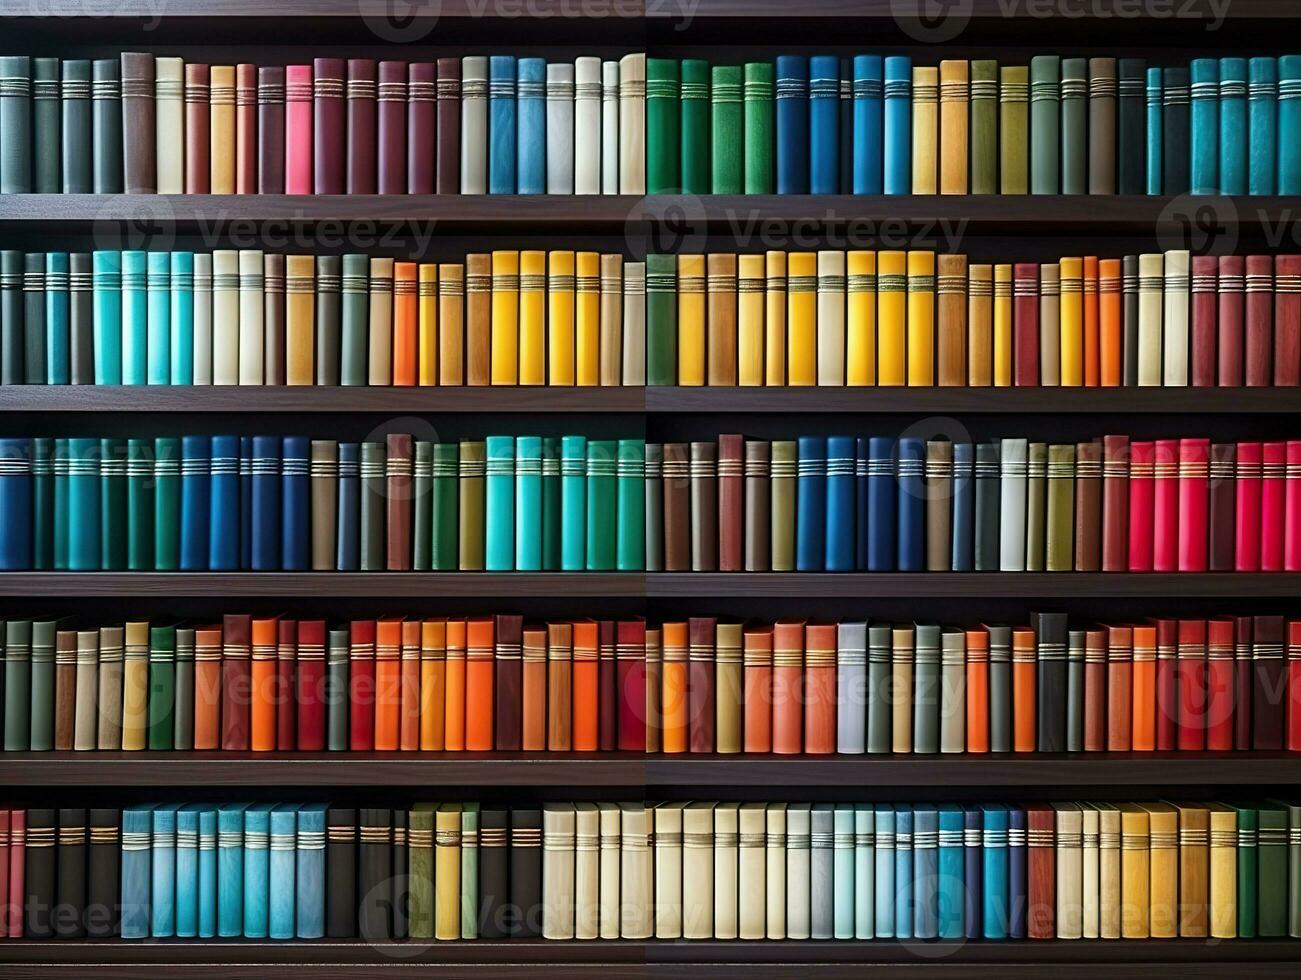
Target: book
925,129
726,130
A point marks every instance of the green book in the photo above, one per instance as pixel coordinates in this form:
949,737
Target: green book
336,689
1045,124
984,127
162,687
43,504
1036,505
602,505
1248,866
43,639
140,505
630,472
183,715
1293,866
782,503
113,518
167,503
354,320
663,153
470,484
1013,127
18,685
420,869
373,501
551,504
1272,875
442,507
84,547
1075,115
1060,537
470,871
60,467
726,130
695,126
422,474
47,122
573,503
661,319
758,95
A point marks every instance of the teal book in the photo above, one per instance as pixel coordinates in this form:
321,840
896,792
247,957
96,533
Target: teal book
661,319
181,317
83,526
162,859
44,635
187,871
162,687
58,322
551,504
17,685
230,870
726,130
61,468
443,507
135,318
113,519
282,871
106,281
422,474
573,503
499,504
1074,123
528,503
695,126
1045,124
43,504
167,503
207,872
602,505
630,552
140,505
257,870
158,314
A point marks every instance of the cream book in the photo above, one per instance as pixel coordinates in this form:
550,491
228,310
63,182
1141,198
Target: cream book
636,872
752,871
668,870
609,816
831,318
558,871
252,309
1151,285
726,869
1070,871
775,852
225,316
799,818
587,871
203,318
697,871
1089,825
1174,327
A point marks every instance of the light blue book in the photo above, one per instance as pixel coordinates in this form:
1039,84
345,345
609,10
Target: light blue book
257,889
897,143
903,872
950,890
187,870
207,872
925,884
162,904
851,688
994,910
502,134
106,281
284,846
159,314
499,504
868,152
309,871
230,870
58,323
844,866
137,823
181,317
884,858
528,503
864,872
531,144
135,318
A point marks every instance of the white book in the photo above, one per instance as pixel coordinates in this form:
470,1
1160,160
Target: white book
169,120
379,355
634,323
831,318
726,869
587,871
1174,331
587,125
799,819
698,871
775,852
203,318
843,869
864,872
610,824
632,124
636,874
953,691
1050,332
609,127
668,870
1090,828
1151,284
474,124
252,310
558,871
225,317
560,128
1011,517
751,871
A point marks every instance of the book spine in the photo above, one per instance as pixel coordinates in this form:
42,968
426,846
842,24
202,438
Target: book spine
1289,124
1102,126
299,138
1155,131
1204,125
757,127
663,125
448,125
1073,123
1287,320
1262,125
632,124
1045,124
1131,126
329,126
391,128
559,147
1175,135
138,123
361,92
587,125
421,127
792,96
610,143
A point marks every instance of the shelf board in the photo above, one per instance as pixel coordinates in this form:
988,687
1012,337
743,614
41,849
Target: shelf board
985,9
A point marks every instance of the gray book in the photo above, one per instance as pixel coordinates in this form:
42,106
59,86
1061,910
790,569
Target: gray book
851,693
373,501
822,872
44,632
1075,691
926,688
329,281
336,690
17,684
183,715
878,688
1000,688
953,691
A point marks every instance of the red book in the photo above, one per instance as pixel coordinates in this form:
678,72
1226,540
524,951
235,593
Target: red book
630,659
1205,298
1287,320
1294,687
1292,509
1246,547
17,872
1165,509
311,685
1115,503
392,127
361,685
1190,672
1041,871
508,682
1025,324
328,126
700,683
271,130
1268,683
1095,690
607,682
1219,685
447,178
286,664
236,681
420,127
1259,317
1230,322
298,129
361,126
246,145
1273,505
1221,506
731,503
1167,685
1242,682
1141,505
197,126
1194,477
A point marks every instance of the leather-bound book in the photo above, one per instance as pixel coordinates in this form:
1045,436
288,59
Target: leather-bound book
1165,683
274,348
1228,344
1059,537
607,706
721,319
1190,676
699,692
298,129
954,96
755,492
1130,133
1129,320
478,319
1025,343
329,126
984,127
1045,124
1166,519
138,123
479,674
1220,694
361,144
305,688
938,483
977,686
1287,320
508,682
169,116
197,129
676,492
246,130
1115,503
819,737
101,888
1163,857
704,507
37,883
388,684
1268,674
1258,343
1041,871
1204,302
392,127
1024,705
1194,466
1175,155
1088,506
533,689
1051,680
374,873
630,653
106,128
262,670
1094,734
1074,89
421,126
1013,129
925,128
1142,504
398,501
757,680
361,685
236,681
341,861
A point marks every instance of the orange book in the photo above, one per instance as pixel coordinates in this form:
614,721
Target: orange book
388,683
454,712
479,668
405,323
787,678
1023,690
820,689
757,678
207,687
560,687
586,704
1111,344
533,718
433,685
265,635
409,716
977,690
1092,329
673,698
1144,687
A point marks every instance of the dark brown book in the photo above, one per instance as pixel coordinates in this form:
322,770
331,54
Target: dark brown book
704,507
398,501
421,125
103,892
731,503
758,517
1222,506
392,127
1088,506
361,125
329,139
271,129
676,482
1115,503
65,689
374,874
246,137
1268,683
197,173
478,318
607,698
508,683
938,499
138,126
448,142
701,631
236,681
70,896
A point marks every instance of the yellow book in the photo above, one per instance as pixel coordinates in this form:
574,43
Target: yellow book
1071,316
447,871
892,318
451,324
505,318
1194,869
587,318
533,317
1003,325
720,314
427,315
921,319
1050,331
860,333
1163,824
926,91
1223,871
831,318
691,320
801,318
135,687
1135,872
560,318
611,341
221,129
774,327
954,98
750,286
379,358
980,325
300,319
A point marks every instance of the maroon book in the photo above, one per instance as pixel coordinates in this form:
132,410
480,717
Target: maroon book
271,130
1222,507
1025,324
328,122
1259,343
731,503
421,120
1167,686
197,129
1041,871
392,127
1268,683
1229,345
1242,683
1205,299
700,683
449,126
236,681
508,662
607,687
1287,321
361,126
1115,503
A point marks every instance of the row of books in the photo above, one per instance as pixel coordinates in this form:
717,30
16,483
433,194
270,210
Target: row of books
874,125
699,685
473,125
532,503
672,870
563,318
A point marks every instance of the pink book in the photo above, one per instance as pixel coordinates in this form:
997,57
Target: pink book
1141,504
298,129
1292,509
1165,521
1272,505
1246,537
1194,487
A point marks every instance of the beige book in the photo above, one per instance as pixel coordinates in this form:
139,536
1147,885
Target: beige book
726,869
558,871
1070,871
252,316
901,689
609,816
668,870
379,355
1151,289
1050,315
831,318
636,874
221,129
634,323
728,698
225,316
697,871
1109,867
1089,866
101,710
587,871
169,120
751,871
135,687
610,355
799,899
775,854
1223,859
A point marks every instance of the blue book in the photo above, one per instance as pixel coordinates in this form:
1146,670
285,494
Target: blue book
309,871
868,115
137,822
881,505
196,506
501,124
864,872
925,872
840,536
257,865
531,92
37,459
187,870
347,557
181,318
265,517
296,504
1204,126
58,324
862,500
223,522
135,318
1289,124
106,281
1016,873
972,878
792,89
245,502
158,314
964,507
84,505
207,872
1155,128
1262,125
230,870
843,868
15,505
903,872
811,504
995,916
499,504
528,503
883,855
898,139
162,895
824,124
951,887
284,846
1233,126
912,506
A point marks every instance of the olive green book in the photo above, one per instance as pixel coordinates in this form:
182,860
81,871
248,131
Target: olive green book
984,127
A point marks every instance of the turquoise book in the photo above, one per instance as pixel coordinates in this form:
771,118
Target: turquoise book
528,503
140,505
1205,125
551,504
43,503
106,283
137,823
58,332
135,318
181,317
1262,124
1155,130
162,896
281,873
602,503
113,519
864,872
257,869
630,470
950,894
230,870
573,503
167,503
207,901
309,872
187,870
995,912
499,504
1233,126
1289,125
158,313
83,533
884,877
